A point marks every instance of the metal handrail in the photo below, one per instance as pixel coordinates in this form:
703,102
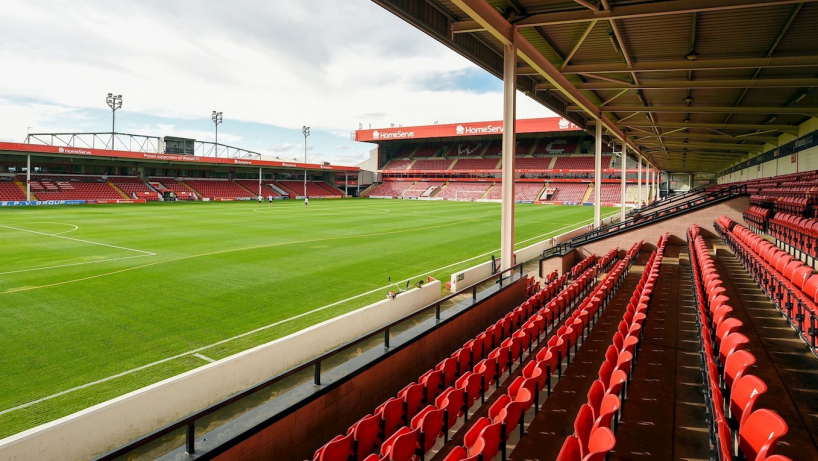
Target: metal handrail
189,421
674,198
644,219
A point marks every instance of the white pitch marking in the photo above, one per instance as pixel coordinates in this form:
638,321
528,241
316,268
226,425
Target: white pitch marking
206,359
75,227
266,327
74,264
79,240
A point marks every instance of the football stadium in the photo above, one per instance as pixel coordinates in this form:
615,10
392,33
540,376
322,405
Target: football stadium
630,275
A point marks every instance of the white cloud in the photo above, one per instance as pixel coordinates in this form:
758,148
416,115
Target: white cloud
331,64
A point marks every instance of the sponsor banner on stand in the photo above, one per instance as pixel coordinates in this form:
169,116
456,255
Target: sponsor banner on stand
42,202
101,202
381,196
536,125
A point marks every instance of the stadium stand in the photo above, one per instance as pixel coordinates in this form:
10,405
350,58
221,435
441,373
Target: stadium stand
426,150
569,192
172,184
389,189
609,193
580,162
463,191
397,164
554,147
442,164
533,163
405,150
297,188
523,191
215,189
422,189
131,185
476,164
74,188
466,149
331,190
10,191
252,186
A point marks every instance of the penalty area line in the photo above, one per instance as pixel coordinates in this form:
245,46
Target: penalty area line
195,352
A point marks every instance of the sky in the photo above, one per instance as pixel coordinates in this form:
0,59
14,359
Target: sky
270,67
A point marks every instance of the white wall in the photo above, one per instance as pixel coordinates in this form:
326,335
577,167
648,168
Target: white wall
808,159
112,424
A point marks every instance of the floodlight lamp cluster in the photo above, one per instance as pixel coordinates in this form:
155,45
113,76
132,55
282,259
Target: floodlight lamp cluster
216,117
114,101
305,130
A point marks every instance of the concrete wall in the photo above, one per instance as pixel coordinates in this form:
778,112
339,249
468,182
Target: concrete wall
298,435
112,424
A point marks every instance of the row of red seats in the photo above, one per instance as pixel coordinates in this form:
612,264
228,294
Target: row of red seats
796,232
604,263
593,438
635,250
399,427
792,204
488,435
757,217
731,393
583,265
788,283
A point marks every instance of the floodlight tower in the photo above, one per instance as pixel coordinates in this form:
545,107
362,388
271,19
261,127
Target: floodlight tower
217,119
305,130
114,102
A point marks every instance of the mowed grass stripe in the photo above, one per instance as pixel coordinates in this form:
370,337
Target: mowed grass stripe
65,336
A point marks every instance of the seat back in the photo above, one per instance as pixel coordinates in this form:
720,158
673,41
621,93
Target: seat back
743,396
759,434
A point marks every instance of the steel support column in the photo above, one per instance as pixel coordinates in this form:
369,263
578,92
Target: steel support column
597,173
622,185
28,177
509,129
639,183
259,181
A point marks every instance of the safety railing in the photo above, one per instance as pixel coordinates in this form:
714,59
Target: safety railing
643,219
182,435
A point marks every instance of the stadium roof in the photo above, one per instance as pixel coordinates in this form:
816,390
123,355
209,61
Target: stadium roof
696,85
465,129
154,157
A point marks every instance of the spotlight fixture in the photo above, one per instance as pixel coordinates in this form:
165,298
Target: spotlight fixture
692,56
688,99
687,120
686,131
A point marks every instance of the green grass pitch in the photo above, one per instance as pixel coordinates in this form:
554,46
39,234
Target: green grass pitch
88,294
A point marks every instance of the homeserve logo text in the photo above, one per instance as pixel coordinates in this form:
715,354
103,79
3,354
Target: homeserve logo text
489,129
394,135
63,150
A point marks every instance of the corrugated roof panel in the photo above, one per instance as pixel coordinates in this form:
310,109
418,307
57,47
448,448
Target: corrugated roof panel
800,37
739,33
657,38
598,47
